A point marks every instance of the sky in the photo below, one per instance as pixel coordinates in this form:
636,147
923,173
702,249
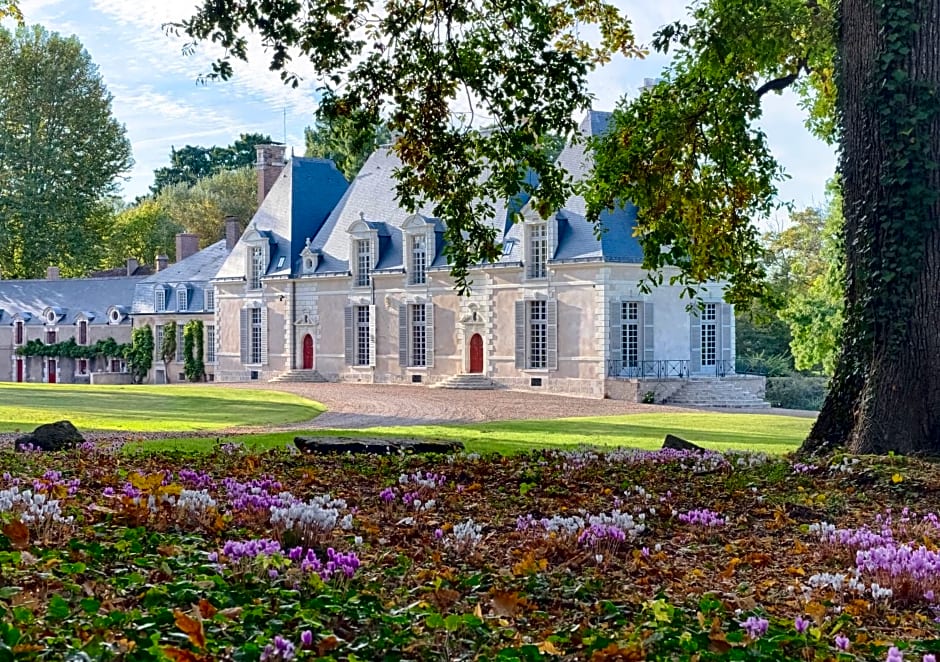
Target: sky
158,98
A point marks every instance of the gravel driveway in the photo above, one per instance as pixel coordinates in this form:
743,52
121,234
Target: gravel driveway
352,406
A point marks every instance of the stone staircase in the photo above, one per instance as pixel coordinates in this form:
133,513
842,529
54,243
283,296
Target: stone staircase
299,376
467,381
723,393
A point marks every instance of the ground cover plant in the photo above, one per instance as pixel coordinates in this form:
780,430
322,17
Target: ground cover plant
148,408
570,554
716,431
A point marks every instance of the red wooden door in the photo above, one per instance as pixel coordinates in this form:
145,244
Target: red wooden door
308,352
19,370
51,367
476,353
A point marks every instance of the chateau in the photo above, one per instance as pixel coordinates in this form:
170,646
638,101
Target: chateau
332,280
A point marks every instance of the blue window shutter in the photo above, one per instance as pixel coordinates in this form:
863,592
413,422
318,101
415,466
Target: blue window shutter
350,336
520,335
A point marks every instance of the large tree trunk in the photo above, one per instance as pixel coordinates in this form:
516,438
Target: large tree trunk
885,394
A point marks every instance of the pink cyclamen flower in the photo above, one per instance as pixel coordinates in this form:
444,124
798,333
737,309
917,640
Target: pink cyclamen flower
930,657
842,642
755,627
801,624
306,639
894,655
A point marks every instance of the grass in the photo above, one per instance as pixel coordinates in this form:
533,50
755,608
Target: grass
771,434
148,408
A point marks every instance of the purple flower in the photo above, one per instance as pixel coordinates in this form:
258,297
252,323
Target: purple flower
755,626
930,657
842,642
306,639
801,624
280,650
438,534
894,655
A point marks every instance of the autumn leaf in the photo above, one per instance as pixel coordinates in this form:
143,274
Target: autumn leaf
146,483
728,572
614,653
18,534
504,603
180,655
327,644
206,608
816,610
191,627
548,648
897,478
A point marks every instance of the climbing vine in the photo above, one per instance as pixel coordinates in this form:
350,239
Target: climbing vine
193,366
69,349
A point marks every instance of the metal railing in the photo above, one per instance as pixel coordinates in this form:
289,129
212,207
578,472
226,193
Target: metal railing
674,369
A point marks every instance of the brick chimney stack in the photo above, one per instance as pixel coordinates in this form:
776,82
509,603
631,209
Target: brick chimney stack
186,244
161,262
132,266
52,273
270,163
232,231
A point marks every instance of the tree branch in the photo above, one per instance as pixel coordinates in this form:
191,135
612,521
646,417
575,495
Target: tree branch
783,82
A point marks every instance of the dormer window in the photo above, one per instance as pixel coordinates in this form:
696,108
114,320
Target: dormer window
210,299
82,332
19,332
417,270
182,298
159,304
537,250
364,261
255,267
309,259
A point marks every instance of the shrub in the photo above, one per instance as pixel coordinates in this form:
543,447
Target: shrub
193,365
796,392
771,365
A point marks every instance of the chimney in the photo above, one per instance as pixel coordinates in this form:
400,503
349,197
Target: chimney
132,266
232,231
52,273
270,163
161,261
186,244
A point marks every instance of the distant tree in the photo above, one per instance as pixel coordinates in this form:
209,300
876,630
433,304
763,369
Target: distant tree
347,141
168,348
202,208
193,366
139,354
61,151
191,163
142,231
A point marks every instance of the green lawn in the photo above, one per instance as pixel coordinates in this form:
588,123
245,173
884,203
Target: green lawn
148,408
772,434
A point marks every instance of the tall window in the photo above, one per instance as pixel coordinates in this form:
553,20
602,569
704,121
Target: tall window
255,328
363,346
363,262
179,342
52,337
82,332
630,334
256,267
19,336
210,343
182,299
419,335
158,339
81,367
709,334
538,334
159,299
538,251
210,299
419,260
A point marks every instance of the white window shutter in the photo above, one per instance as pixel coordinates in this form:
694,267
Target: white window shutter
616,336
403,335
243,317
373,347
264,335
350,336
520,335
649,338
695,343
725,312
429,334
551,335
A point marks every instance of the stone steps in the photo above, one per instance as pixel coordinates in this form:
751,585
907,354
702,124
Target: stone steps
716,393
467,382
299,376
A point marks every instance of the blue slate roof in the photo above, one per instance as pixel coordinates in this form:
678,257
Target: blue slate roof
74,298
295,208
194,273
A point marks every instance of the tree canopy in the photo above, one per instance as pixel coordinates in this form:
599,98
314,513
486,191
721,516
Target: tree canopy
61,152
345,142
191,163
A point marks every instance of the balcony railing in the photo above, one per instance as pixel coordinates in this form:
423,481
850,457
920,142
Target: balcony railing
671,369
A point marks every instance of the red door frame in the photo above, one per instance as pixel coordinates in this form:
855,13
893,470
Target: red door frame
51,366
308,352
476,353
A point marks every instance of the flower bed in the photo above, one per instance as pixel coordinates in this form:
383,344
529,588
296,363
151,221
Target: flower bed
622,555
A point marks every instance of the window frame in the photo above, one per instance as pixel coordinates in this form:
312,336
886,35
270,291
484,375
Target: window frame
254,336
364,261
182,298
418,255
363,336
209,296
256,266
159,303
210,343
81,332
19,333
537,334
536,251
